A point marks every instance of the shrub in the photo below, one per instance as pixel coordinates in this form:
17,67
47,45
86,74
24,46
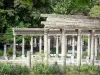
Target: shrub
82,70
1,53
41,68
95,11
9,51
9,69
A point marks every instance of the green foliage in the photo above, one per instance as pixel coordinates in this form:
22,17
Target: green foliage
39,56
84,53
97,2
64,7
82,70
9,51
95,11
9,69
47,69
26,13
71,6
1,53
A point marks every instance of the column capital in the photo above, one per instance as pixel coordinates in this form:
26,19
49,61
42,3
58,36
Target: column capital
92,31
79,30
46,30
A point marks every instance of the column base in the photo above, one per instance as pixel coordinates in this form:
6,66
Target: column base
23,56
72,59
5,57
64,60
32,56
95,58
91,62
57,55
14,56
87,60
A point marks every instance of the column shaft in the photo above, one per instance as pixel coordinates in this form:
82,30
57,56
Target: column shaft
46,45
35,42
95,47
49,45
92,47
5,51
23,47
57,47
32,46
63,48
89,50
79,48
73,48
40,44
14,47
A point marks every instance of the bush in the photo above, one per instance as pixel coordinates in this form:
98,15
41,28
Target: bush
41,68
82,70
9,69
10,52
95,11
1,53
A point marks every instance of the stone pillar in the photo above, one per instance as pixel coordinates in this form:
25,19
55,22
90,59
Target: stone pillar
35,42
73,49
49,45
23,47
95,47
31,43
92,48
89,50
63,48
79,48
5,51
14,47
46,44
40,44
57,46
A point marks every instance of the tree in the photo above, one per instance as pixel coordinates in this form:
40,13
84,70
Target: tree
71,6
95,11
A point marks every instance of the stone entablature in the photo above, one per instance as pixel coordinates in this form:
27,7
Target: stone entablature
70,21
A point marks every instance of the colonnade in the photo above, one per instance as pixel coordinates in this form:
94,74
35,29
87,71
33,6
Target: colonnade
32,45
92,46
